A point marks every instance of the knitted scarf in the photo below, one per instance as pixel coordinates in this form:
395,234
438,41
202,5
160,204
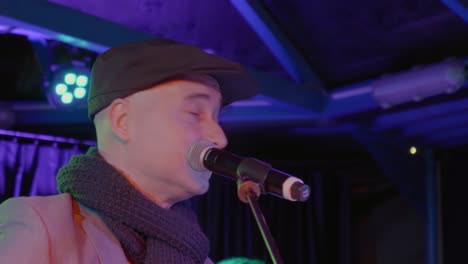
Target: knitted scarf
147,232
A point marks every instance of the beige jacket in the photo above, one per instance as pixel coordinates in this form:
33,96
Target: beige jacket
55,229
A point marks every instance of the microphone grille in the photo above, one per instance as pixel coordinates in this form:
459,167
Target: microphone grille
196,154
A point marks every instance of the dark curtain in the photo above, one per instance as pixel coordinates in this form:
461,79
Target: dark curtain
28,165
304,232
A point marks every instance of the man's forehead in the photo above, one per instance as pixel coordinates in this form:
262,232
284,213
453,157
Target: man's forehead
209,98
202,96
212,92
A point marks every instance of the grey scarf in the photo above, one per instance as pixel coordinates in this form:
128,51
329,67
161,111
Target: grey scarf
147,232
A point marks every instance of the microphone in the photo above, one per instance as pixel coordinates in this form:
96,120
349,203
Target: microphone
203,156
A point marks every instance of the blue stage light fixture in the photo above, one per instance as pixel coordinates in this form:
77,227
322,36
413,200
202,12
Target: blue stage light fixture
69,85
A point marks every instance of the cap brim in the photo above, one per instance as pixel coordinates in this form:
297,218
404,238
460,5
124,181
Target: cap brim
234,85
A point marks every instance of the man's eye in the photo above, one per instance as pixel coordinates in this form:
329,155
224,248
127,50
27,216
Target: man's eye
195,114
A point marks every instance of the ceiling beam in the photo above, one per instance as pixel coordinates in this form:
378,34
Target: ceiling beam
66,25
432,125
451,135
351,100
418,114
452,142
289,92
460,8
281,47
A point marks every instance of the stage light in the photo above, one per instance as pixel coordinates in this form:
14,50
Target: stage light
70,78
60,89
69,85
67,98
82,80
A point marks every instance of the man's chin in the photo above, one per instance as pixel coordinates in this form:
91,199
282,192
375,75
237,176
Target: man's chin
203,187
202,184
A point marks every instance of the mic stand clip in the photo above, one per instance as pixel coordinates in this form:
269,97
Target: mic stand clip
249,191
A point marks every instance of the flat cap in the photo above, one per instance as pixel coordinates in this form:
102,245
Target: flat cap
129,68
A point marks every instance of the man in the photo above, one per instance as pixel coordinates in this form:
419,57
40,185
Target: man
123,202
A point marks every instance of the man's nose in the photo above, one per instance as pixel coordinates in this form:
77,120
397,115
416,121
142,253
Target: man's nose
216,135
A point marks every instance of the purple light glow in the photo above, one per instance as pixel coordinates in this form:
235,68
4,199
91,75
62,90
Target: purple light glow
31,34
50,138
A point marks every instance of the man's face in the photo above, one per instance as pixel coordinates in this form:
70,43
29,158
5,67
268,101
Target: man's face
163,122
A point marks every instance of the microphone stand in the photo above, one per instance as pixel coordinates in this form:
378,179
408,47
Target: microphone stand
249,192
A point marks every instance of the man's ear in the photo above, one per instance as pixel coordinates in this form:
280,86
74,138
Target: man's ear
118,118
